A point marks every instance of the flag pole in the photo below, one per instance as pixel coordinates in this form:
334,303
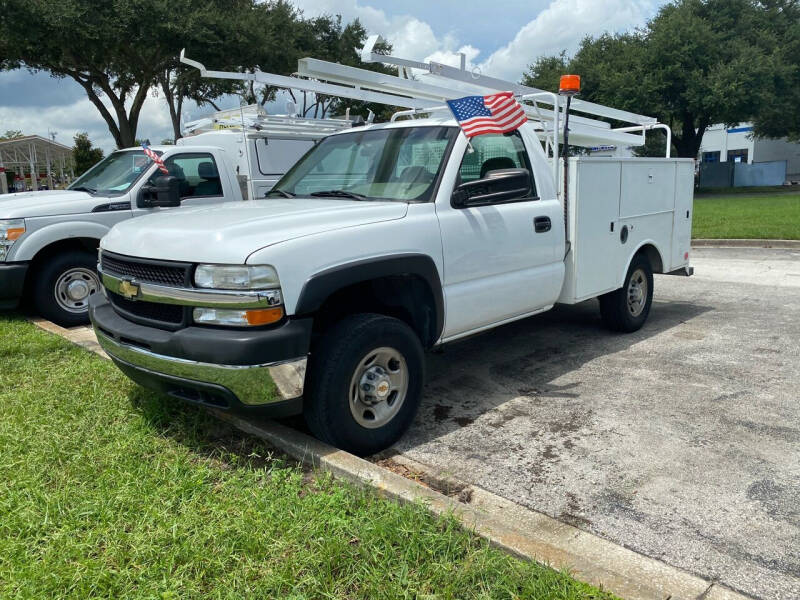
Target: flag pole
568,86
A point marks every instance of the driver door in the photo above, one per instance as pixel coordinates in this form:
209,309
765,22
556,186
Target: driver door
503,260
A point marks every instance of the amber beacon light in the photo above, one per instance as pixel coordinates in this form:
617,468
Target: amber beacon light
569,85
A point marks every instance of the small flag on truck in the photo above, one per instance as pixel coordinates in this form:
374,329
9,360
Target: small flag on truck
496,113
155,158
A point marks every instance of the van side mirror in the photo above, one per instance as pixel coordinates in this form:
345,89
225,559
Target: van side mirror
501,185
166,193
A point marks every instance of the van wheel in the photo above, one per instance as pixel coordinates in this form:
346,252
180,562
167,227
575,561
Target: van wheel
365,383
627,308
62,286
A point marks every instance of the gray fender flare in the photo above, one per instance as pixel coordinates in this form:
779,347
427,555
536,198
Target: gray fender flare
320,286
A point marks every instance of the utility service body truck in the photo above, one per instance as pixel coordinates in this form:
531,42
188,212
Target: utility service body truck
380,243
49,239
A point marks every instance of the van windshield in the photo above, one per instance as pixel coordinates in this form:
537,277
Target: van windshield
381,164
114,174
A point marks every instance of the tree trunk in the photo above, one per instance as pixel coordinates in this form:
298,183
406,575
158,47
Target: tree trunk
688,142
174,108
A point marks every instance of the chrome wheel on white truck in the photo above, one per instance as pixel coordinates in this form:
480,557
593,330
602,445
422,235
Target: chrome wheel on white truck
62,285
365,383
627,308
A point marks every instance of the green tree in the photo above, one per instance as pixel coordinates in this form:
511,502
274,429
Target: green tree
119,50
83,154
11,134
326,37
696,63
253,35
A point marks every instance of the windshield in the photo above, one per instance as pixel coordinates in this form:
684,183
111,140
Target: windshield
382,164
114,174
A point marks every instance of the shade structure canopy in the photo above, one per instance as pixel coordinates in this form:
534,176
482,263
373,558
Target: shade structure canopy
43,160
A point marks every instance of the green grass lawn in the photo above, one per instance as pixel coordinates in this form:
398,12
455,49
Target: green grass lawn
110,491
768,216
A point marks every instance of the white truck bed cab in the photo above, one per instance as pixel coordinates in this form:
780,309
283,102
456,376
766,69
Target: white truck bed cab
617,206
383,241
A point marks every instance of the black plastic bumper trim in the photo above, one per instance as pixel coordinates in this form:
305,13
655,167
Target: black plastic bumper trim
12,283
208,345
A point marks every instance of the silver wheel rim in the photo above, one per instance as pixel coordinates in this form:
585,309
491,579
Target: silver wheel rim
378,387
637,292
74,287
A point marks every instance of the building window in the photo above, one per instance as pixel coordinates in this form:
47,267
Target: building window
710,157
737,156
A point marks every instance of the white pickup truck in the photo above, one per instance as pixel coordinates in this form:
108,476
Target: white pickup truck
49,239
380,243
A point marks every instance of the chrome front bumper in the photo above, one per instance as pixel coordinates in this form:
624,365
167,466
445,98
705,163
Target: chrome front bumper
252,385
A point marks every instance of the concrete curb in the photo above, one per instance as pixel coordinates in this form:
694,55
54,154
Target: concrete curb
736,243
520,531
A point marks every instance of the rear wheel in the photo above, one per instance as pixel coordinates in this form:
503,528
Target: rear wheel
365,383
627,308
62,286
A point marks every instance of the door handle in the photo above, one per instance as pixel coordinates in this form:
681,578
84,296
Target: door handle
542,224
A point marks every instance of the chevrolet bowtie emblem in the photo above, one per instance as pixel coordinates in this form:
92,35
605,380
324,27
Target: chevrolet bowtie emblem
128,289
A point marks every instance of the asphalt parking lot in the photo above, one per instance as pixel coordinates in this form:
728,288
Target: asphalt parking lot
681,441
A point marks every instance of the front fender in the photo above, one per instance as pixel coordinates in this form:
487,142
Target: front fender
322,285
30,244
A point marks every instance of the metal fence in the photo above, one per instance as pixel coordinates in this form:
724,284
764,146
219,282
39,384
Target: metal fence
731,174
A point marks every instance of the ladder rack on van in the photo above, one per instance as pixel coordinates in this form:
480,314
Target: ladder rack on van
258,124
427,94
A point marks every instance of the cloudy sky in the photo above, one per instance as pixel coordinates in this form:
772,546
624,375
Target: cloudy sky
501,42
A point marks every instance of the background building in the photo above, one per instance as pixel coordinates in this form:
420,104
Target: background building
36,162
737,145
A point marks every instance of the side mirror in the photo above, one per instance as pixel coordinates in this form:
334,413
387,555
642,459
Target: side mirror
166,193
501,185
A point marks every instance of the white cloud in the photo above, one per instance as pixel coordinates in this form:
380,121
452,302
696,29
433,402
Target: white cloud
561,26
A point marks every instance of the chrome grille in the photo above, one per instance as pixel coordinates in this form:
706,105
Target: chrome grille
163,273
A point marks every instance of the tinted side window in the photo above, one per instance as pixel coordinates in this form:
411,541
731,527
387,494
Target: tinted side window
495,151
197,173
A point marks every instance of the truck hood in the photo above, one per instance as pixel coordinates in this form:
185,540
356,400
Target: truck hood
229,233
48,203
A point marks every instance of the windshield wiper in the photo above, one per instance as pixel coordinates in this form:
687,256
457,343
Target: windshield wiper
81,188
283,193
339,194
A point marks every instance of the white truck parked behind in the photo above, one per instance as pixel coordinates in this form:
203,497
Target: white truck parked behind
380,243
49,239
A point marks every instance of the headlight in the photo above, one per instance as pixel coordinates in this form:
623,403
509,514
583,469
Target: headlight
237,317
10,231
236,277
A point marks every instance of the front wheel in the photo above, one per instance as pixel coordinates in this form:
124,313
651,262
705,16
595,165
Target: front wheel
627,308
62,286
365,383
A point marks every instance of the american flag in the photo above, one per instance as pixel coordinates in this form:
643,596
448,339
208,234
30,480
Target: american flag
497,113
155,158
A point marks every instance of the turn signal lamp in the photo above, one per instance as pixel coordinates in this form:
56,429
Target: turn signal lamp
236,317
569,85
14,233
264,316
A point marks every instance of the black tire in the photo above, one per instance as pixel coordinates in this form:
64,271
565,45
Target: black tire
46,278
614,307
333,366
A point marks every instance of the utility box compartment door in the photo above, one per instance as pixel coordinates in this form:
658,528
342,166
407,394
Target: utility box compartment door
595,201
682,220
648,187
